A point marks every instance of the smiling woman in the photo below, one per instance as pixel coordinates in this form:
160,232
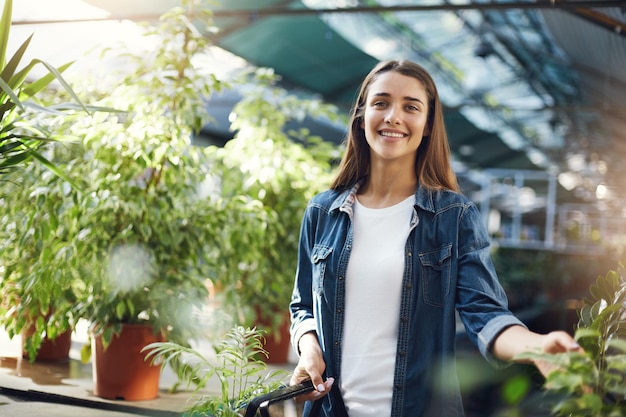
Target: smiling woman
388,257
394,121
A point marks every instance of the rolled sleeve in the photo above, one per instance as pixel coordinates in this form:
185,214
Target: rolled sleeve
300,330
490,333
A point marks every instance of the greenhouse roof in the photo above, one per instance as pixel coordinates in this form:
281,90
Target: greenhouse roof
527,85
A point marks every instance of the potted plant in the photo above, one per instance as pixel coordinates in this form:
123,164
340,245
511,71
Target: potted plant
146,226
40,309
279,170
38,297
135,237
242,375
593,383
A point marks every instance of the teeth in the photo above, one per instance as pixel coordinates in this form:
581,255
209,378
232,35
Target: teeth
392,134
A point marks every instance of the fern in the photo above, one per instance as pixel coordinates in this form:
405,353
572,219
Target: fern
237,365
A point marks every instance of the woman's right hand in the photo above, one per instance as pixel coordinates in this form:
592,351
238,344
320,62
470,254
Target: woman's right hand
311,366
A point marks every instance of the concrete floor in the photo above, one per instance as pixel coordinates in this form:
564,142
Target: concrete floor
64,389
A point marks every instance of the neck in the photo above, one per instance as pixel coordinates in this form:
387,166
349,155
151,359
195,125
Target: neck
386,187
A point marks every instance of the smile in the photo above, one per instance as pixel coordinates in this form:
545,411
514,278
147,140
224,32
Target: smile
392,134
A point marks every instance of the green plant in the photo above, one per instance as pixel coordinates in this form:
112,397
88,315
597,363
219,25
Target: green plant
133,241
146,227
593,383
28,130
278,171
20,140
236,365
36,287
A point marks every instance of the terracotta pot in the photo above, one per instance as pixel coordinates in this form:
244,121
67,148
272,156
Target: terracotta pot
277,343
51,350
120,372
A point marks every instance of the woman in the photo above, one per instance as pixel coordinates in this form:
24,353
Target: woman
387,256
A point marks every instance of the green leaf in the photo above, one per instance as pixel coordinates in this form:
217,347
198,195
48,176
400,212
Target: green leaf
85,353
5,28
120,310
9,92
582,333
54,168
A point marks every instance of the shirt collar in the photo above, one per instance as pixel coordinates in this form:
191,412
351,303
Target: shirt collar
345,200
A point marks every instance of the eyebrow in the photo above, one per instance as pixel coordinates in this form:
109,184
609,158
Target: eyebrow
408,98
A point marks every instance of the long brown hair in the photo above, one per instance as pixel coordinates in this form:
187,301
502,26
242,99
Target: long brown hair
432,166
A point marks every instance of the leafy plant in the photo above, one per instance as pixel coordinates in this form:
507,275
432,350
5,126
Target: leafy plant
147,227
278,171
132,242
36,287
237,366
20,139
28,130
593,383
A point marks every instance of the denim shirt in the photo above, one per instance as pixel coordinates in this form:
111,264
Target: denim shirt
448,269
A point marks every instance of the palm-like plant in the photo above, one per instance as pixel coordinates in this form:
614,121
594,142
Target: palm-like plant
20,140
24,132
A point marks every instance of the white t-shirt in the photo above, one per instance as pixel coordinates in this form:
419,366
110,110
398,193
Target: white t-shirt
373,290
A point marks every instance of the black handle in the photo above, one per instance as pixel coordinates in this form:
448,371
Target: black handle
262,402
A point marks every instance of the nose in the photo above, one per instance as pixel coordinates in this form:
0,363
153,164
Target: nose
392,116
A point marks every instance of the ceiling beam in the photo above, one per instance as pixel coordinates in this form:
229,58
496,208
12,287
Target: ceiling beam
601,20
284,11
538,4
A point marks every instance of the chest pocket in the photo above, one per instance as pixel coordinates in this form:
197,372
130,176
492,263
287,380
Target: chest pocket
435,268
319,261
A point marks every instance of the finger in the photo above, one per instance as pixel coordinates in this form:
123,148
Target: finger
321,391
562,342
299,375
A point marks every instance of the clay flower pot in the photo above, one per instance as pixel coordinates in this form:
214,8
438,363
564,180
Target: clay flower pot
120,372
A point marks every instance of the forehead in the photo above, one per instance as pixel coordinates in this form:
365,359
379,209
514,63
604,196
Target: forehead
393,83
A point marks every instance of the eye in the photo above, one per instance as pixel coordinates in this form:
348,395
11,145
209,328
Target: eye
379,104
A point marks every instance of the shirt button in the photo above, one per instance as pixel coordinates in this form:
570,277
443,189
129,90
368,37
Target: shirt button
340,277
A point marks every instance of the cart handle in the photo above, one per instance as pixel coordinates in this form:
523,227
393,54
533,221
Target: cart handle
262,402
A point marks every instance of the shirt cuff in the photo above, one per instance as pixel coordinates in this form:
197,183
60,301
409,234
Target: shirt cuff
305,326
490,333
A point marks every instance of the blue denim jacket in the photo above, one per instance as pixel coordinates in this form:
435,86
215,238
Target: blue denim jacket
448,268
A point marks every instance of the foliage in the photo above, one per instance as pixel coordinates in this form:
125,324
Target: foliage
594,383
28,129
19,138
132,242
157,218
36,286
278,170
147,227
241,373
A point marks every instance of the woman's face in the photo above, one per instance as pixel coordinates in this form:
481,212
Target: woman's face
395,117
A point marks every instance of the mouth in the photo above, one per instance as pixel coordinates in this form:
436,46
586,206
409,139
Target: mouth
392,135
